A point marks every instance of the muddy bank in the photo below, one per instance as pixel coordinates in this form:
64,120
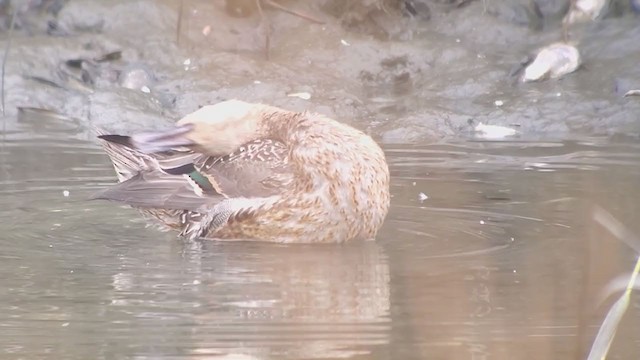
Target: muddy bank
407,71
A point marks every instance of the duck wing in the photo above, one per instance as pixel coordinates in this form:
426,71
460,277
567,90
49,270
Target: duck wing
157,189
185,180
257,169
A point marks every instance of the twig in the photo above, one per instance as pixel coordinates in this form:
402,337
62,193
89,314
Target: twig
292,12
179,24
264,22
4,63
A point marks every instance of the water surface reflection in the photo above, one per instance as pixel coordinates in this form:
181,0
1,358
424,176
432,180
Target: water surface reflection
489,252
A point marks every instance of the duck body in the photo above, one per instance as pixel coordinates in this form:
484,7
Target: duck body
242,171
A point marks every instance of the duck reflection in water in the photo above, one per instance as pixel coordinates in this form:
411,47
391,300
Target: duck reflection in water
254,300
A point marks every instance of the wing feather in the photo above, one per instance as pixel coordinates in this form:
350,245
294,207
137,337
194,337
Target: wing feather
185,180
158,190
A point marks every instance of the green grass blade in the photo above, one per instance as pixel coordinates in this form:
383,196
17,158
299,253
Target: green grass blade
609,326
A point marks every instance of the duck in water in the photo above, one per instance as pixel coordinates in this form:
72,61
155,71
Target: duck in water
244,171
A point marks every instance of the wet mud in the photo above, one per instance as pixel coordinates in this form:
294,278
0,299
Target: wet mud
407,71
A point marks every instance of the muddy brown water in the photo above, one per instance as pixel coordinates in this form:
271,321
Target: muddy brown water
502,260
490,250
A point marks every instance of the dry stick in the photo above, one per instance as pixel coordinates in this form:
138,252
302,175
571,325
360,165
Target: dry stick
292,12
4,63
179,24
264,21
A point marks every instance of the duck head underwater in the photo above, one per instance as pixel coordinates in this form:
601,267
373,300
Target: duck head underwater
244,171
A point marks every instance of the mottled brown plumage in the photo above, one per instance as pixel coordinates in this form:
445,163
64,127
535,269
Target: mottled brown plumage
242,171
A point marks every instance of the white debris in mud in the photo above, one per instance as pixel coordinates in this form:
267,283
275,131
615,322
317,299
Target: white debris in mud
585,10
344,42
632,93
494,131
65,193
136,77
301,95
498,103
553,61
422,197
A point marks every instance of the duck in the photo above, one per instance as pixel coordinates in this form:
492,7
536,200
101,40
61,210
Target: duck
237,170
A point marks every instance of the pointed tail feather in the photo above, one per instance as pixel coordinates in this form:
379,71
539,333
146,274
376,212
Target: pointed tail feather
126,160
118,139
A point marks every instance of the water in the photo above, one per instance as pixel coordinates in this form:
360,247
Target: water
498,259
